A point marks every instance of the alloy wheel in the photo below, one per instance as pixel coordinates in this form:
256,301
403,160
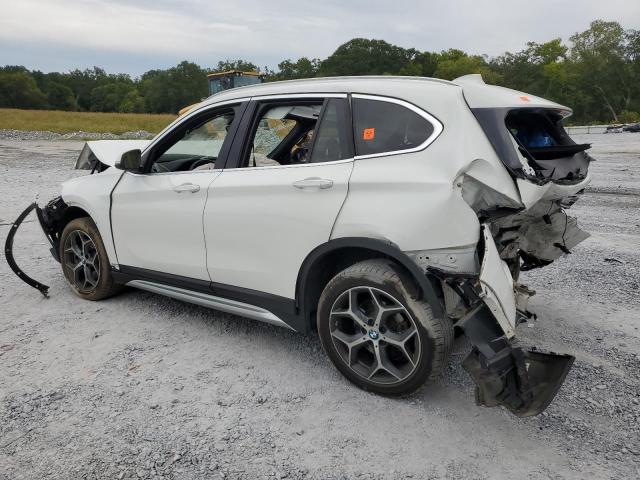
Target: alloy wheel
82,259
375,335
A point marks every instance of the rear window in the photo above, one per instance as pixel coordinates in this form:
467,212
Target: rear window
541,134
533,130
384,127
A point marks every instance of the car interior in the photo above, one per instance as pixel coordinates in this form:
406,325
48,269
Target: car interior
542,139
199,147
283,135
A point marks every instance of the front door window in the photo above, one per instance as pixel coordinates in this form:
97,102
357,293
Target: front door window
198,147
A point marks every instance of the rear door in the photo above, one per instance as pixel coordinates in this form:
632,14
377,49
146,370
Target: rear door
279,194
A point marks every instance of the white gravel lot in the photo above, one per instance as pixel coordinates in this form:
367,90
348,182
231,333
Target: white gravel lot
141,386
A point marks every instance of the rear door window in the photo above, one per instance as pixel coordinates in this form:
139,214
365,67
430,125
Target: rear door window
283,134
382,126
333,140
298,131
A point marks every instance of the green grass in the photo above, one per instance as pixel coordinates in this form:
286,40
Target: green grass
65,122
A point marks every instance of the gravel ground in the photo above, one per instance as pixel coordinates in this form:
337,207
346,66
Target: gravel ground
36,135
141,386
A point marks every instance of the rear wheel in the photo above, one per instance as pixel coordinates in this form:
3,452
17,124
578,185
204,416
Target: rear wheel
377,334
84,260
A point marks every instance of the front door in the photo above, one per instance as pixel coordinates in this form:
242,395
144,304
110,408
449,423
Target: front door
280,199
157,214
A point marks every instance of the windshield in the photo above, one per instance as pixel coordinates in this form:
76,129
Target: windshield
244,80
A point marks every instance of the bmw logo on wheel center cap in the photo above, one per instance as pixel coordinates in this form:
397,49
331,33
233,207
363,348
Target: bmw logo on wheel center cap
373,334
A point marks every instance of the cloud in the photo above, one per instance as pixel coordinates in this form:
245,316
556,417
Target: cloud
107,26
144,34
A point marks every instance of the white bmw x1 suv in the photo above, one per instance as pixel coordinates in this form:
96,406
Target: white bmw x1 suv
381,212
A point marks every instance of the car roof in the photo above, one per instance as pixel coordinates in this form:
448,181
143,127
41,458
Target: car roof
477,94
320,85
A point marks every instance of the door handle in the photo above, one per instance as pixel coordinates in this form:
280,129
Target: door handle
314,183
187,187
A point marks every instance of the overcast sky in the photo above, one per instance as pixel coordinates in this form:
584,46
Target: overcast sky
138,35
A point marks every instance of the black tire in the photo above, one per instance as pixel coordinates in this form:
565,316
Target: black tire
431,338
98,283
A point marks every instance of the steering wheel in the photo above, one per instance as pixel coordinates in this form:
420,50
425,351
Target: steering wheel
201,161
159,168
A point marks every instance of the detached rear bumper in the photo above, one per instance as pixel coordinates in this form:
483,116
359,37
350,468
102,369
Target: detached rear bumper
523,381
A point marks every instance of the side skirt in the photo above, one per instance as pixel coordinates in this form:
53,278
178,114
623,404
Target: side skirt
252,304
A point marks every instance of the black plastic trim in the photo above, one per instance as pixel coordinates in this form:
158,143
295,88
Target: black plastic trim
282,307
8,252
234,158
126,273
384,247
523,381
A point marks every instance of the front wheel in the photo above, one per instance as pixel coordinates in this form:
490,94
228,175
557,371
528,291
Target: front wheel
84,260
377,334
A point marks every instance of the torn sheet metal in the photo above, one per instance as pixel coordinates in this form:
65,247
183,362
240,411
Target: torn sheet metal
106,152
453,260
544,232
486,201
497,286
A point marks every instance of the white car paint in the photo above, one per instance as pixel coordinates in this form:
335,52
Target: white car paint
413,199
252,228
157,221
480,95
110,151
91,193
497,286
259,226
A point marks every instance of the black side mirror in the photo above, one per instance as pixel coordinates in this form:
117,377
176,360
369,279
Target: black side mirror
130,160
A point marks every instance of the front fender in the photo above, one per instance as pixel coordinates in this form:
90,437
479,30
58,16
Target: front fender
92,193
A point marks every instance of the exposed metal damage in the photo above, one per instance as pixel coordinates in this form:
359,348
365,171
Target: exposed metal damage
487,306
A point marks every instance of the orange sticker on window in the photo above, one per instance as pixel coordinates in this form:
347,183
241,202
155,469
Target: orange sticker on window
368,133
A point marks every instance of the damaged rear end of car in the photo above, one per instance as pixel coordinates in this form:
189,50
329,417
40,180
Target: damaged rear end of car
487,303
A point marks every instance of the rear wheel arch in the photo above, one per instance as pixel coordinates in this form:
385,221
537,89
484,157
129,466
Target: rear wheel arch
330,258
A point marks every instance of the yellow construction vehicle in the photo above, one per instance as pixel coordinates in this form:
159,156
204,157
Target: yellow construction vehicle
220,81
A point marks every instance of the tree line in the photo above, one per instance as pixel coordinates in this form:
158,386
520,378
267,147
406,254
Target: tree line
597,73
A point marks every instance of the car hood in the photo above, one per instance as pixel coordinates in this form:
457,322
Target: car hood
106,152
